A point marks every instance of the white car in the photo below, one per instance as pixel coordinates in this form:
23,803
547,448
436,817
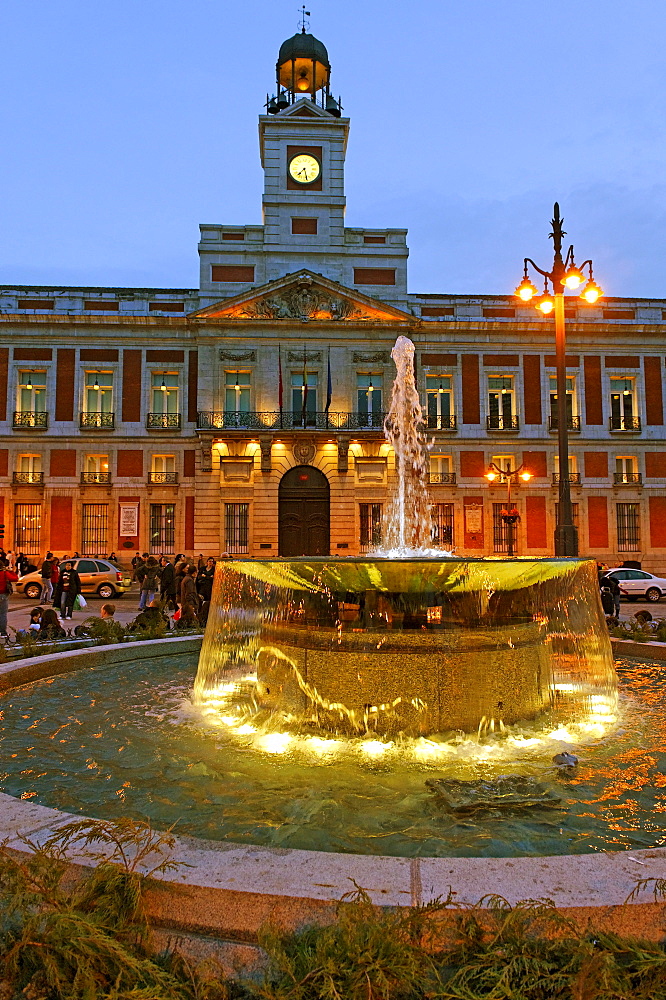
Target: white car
635,583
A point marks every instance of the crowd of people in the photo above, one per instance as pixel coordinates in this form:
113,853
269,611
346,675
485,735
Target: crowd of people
182,586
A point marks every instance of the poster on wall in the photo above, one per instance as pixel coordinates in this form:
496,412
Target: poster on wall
473,522
129,520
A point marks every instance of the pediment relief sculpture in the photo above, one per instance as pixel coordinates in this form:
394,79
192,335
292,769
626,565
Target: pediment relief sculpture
304,302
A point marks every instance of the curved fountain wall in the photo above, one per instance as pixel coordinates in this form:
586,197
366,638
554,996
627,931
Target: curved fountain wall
410,646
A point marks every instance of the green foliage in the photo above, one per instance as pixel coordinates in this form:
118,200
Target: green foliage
87,938
103,630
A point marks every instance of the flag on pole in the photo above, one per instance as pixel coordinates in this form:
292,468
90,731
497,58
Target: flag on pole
280,390
305,386
329,385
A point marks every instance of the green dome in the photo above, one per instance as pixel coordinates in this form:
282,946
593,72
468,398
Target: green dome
303,46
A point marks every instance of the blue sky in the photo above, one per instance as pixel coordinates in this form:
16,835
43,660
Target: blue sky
126,124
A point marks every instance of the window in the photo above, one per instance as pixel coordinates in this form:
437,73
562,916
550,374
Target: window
628,527
94,529
369,399
164,392
98,394
623,404
570,384
440,470
439,398
501,408
304,398
237,392
574,513
29,469
27,527
163,470
163,463
31,392
96,469
236,527
574,475
626,470
572,463
371,525
162,528
442,525
505,462
500,529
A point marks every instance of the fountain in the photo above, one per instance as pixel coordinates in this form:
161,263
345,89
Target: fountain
409,641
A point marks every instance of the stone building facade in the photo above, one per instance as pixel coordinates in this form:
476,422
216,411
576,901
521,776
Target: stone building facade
246,415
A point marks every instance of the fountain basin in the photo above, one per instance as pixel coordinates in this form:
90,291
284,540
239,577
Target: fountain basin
413,646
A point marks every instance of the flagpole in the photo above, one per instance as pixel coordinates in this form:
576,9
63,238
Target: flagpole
329,388
280,389
305,387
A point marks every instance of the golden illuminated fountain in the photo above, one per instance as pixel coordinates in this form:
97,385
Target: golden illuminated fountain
410,640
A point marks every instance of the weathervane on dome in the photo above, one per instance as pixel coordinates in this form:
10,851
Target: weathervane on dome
302,23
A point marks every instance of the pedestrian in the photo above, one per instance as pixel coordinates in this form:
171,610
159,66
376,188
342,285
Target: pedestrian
6,580
612,584
33,625
113,558
188,590
201,562
11,560
55,574
205,578
167,583
138,562
150,581
22,564
67,590
50,627
46,575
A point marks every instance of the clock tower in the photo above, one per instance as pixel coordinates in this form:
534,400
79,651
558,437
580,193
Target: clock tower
303,144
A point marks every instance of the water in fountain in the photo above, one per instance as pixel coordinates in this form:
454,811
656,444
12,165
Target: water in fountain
409,527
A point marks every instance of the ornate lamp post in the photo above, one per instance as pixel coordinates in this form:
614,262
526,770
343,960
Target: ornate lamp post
509,514
564,274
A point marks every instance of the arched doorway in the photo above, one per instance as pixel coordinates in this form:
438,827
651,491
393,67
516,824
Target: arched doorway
304,513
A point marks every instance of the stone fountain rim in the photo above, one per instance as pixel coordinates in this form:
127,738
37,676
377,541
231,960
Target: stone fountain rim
263,880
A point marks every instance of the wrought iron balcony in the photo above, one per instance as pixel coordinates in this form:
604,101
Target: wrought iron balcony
442,479
269,420
442,423
573,423
162,478
625,423
163,421
574,477
30,418
28,478
95,478
497,423
628,478
97,421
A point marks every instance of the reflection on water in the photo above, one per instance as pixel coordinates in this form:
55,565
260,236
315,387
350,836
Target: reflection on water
126,740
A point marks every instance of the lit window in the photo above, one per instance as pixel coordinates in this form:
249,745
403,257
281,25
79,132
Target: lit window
31,391
98,393
623,404
439,396
369,399
237,392
164,392
501,400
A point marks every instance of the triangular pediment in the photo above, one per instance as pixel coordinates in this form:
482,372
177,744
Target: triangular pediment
303,108
304,296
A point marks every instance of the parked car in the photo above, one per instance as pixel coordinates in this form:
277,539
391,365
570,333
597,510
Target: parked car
98,576
635,583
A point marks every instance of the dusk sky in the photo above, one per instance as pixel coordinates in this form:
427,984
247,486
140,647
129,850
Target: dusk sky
126,124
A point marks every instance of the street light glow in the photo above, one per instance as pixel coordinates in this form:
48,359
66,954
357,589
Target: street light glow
526,290
573,278
591,292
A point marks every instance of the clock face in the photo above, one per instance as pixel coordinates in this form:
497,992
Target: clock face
304,168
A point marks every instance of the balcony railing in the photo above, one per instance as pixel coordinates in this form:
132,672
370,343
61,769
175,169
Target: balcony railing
163,421
442,423
97,421
162,478
95,478
268,420
28,478
30,418
573,423
574,477
442,479
627,478
497,423
625,423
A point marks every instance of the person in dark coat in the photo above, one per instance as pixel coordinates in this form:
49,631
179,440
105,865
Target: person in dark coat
67,590
49,627
205,579
167,583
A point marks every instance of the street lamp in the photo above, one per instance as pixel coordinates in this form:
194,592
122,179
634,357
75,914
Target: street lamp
509,514
564,274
